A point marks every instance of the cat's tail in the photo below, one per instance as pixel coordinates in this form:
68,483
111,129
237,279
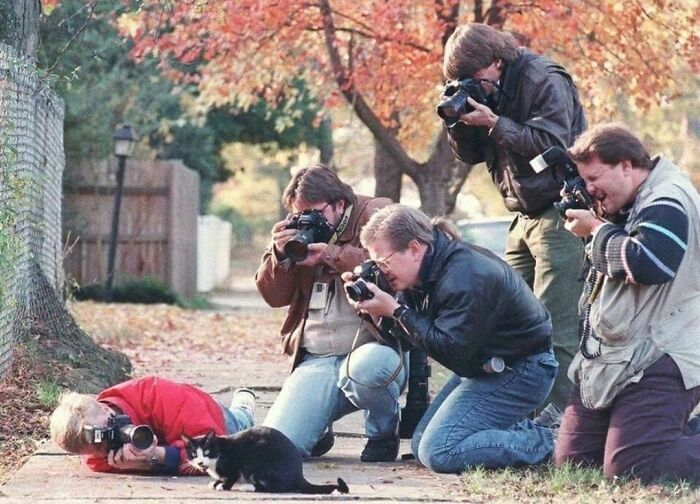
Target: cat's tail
310,488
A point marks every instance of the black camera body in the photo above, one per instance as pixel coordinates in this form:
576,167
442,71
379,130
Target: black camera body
454,102
575,194
366,271
120,431
312,227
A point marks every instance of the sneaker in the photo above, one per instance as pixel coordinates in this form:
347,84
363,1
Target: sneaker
244,398
550,417
324,444
381,450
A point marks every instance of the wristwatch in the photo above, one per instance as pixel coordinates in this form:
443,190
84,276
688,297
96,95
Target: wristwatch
399,312
154,460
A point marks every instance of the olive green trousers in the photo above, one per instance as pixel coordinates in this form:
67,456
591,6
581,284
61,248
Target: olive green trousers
550,259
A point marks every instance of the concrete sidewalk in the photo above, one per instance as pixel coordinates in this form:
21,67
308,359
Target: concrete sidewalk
53,476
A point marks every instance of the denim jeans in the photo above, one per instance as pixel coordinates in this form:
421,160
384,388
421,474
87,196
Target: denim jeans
236,419
550,258
479,421
318,392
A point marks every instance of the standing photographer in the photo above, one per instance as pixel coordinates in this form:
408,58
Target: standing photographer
524,104
471,312
322,331
168,408
637,373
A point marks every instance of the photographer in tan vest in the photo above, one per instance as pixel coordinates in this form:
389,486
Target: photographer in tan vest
637,372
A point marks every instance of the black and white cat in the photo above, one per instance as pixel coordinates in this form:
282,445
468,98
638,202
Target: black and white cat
265,457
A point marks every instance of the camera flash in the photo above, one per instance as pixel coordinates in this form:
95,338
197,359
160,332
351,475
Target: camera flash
538,163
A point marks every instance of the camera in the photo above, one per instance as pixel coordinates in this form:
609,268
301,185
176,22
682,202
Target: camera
120,431
312,227
575,194
367,271
454,99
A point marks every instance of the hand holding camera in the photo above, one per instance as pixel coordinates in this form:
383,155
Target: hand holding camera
130,458
302,237
460,98
369,290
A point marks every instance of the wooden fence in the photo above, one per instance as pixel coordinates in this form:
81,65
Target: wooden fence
157,226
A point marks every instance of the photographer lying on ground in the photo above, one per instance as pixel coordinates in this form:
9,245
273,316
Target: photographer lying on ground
475,315
97,428
504,105
638,368
301,269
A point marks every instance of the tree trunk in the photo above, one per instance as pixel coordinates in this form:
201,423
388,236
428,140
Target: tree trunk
19,25
387,174
325,141
440,178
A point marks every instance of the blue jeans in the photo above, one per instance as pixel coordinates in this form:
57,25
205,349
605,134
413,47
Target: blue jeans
236,419
479,421
318,392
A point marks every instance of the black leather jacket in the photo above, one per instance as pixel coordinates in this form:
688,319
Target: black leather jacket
470,307
538,107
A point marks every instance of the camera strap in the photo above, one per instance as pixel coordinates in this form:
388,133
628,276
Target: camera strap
342,225
391,377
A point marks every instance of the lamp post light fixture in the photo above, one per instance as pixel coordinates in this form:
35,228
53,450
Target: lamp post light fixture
124,139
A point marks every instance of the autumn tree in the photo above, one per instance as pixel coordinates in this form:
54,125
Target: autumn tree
87,60
384,58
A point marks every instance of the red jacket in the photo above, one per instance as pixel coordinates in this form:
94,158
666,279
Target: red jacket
170,409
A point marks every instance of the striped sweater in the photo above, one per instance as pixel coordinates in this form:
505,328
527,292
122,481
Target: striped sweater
651,251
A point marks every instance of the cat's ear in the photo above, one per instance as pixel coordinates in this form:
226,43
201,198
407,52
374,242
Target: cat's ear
210,435
186,439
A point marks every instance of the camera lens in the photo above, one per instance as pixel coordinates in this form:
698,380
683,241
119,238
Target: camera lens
297,249
358,291
140,436
452,108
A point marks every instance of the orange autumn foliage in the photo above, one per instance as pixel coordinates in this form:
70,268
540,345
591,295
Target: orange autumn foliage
391,52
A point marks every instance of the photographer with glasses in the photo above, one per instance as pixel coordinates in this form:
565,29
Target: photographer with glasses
160,409
301,269
504,105
637,373
471,312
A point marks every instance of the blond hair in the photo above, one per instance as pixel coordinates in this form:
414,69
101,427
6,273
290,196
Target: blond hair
67,421
399,224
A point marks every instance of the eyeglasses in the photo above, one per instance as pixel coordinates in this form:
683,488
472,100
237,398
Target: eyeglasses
384,262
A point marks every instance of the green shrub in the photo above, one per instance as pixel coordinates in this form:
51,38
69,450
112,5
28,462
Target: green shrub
145,290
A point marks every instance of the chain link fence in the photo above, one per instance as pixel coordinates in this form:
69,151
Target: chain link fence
31,169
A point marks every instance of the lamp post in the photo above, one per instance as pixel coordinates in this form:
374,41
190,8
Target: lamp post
124,139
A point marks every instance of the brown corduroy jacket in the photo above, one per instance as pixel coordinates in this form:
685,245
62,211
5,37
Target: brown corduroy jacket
284,283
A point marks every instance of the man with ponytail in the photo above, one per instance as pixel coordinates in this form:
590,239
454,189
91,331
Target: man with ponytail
472,313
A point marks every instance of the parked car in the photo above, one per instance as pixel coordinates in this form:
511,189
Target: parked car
491,234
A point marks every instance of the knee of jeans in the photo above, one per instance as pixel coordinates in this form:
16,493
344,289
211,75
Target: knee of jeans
370,366
435,458
415,444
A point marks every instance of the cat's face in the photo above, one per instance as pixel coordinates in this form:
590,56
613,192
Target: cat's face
202,451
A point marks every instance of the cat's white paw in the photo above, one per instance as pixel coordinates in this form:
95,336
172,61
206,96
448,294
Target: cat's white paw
217,485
